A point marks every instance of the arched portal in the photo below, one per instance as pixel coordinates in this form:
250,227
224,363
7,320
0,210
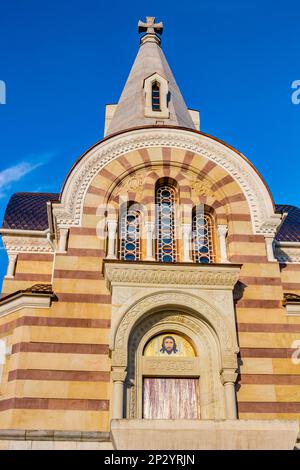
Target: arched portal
193,368
212,368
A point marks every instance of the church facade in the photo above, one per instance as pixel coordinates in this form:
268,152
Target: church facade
160,290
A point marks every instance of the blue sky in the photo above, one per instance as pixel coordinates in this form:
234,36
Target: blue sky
62,61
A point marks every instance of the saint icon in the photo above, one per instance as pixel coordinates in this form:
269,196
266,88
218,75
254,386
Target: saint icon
168,346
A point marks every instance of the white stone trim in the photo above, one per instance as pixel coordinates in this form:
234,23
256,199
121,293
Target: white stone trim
24,301
269,241
63,239
222,325
287,252
191,276
25,233
293,309
186,235
264,220
12,260
27,242
198,435
112,226
222,231
149,232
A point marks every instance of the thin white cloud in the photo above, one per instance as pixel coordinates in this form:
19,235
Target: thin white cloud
14,173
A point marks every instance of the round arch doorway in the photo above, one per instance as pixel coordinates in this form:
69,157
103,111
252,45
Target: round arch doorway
173,369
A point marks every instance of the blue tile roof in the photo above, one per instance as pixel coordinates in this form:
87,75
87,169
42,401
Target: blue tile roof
290,229
28,211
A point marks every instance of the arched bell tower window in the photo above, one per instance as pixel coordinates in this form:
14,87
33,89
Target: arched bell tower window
155,96
165,214
202,230
130,240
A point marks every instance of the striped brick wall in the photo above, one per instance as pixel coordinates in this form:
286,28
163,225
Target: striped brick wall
31,268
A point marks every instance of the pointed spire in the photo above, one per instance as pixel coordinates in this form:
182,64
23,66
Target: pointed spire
136,106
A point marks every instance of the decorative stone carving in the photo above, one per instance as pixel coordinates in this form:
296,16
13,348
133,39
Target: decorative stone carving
169,366
118,374
229,375
201,188
119,357
288,252
224,330
23,244
270,225
132,182
198,275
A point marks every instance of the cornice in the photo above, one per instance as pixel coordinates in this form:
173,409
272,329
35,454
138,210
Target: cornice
25,301
27,242
287,252
201,276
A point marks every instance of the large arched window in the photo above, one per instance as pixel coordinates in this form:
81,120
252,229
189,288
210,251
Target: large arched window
165,208
130,240
202,236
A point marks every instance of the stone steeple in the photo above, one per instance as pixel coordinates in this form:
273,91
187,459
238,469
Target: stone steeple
135,107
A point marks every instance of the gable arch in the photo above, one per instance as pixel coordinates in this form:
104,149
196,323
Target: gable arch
69,211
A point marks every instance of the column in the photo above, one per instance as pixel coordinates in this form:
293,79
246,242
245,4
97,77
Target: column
112,231
186,235
229,377
149,231
12,260
222,232
63,237
118,377
269,248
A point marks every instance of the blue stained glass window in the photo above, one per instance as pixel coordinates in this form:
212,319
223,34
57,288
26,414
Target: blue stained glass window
130,234
202,238
165,207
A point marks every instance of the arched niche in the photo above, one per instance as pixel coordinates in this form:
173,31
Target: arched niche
204,366
212,336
